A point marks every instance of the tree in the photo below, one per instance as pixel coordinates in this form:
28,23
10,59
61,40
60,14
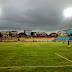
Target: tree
1,35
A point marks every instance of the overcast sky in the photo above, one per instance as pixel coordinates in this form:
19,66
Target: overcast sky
39,15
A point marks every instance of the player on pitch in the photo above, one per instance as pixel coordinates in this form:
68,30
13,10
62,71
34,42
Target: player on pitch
68,43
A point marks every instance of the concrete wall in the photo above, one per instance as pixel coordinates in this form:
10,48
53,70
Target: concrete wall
36,39
8,39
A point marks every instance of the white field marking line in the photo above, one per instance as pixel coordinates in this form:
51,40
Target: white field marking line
63,57
35,66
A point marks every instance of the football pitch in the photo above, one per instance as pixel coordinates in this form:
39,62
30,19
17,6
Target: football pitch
35,57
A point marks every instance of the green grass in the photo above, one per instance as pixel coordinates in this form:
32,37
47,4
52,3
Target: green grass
35,54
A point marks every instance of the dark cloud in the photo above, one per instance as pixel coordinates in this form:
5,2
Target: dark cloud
42,15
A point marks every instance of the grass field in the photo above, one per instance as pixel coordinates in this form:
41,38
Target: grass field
44,56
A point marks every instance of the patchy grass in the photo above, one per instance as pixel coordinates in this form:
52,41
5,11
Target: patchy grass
35,54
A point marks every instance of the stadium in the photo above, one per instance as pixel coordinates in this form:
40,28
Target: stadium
35,36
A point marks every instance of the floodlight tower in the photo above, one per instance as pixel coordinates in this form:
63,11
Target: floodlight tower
68,14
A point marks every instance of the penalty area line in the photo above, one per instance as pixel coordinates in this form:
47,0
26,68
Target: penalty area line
63,57
35,66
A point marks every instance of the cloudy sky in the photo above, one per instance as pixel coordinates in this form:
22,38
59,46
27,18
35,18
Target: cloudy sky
37,15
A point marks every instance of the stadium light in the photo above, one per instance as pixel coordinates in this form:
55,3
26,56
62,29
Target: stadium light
68,12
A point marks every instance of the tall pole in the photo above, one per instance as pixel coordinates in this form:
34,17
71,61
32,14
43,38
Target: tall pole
70,30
